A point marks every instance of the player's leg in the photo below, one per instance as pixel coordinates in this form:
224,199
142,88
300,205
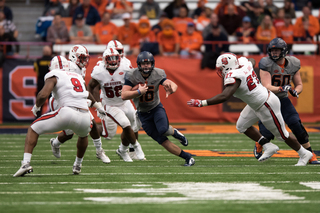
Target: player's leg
95,135
62,137
257,151
292,119
82,145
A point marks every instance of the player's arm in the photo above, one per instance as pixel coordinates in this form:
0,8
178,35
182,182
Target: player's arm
297,81
220,98
129,92
170,87
93,83
266,81
46,91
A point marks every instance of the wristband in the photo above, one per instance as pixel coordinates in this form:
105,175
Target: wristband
139,91
204,103
97,105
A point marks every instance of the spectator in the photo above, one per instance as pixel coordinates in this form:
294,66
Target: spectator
286,31
201,7
222,8
214,21
168,39
157,28
151,9
6,10
256,15
204,19
247,6
289,8
144,39
88,11
172,10
278,21
42,25
7,49
41,67
246,33
100,5
220,5
191,42
58,31
126,32
271,9
180,22
55,7
9,26
80,32
105,30
121,7
212,51
230,20
73,4
265,33
306,27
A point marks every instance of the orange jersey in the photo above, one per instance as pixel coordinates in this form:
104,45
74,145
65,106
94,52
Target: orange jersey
203,21
102,7
137,39
118,4
313,28
168,43
286,33
193,41
106,32
181,24
266,35
125,35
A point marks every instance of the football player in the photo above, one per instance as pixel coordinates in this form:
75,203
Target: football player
109,75
70,91
142,85
241,81
79,58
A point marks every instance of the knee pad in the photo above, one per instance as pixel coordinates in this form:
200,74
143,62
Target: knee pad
240,128
300,132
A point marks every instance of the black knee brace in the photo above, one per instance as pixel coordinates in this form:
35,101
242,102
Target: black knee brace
300,132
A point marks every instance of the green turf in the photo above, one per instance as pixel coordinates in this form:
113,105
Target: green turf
159,184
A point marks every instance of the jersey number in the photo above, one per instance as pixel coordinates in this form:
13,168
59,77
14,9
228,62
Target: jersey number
111,92
280,80
250,81
149,96
76,85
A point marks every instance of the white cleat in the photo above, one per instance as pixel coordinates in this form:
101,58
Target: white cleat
139,153
304,159
76,169
24,169
102,156
55,150
124,155
269,150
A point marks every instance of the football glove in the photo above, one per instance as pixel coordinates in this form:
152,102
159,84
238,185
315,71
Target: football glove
35,109
100,109
294,93
285,88
194,103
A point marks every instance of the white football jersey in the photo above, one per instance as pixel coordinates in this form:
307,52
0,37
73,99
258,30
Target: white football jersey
111,84
250,90
75,68
126,62
70,89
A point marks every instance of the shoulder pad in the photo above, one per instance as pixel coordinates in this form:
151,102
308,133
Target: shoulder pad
265,63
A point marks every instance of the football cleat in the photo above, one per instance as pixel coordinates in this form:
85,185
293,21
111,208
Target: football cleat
76,169
190,162
179,136
139,152
269,150
24,169
257,151
314,159
124,155
55,150
304,158
102,156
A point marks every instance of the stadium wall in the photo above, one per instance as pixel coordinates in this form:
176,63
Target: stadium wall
18,82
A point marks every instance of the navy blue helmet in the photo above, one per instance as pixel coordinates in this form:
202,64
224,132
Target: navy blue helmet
277,43
145,57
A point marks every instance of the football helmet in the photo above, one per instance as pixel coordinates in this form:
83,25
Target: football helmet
116,45
111,59
225,63
145,57
79,55
277,43
59,62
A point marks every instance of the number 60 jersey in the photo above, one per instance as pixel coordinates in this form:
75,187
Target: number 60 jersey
250,90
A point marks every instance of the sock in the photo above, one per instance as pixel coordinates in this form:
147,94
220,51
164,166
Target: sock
136,144
97,143
26,157
301,151
123,147
56,142
262,141
184,155
78,161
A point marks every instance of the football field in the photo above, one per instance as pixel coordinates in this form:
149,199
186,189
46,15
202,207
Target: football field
225,178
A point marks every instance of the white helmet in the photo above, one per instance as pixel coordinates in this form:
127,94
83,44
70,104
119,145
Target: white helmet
116,45
59,62
111,58
225,63
79,55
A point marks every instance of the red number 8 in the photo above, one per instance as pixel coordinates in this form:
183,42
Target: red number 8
77,85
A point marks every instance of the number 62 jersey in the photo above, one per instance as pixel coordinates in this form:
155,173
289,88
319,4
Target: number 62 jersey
250,90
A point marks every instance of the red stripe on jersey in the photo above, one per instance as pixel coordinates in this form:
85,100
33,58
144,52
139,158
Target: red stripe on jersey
52,100
276,121
45,117
60,62
110,116
105,129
